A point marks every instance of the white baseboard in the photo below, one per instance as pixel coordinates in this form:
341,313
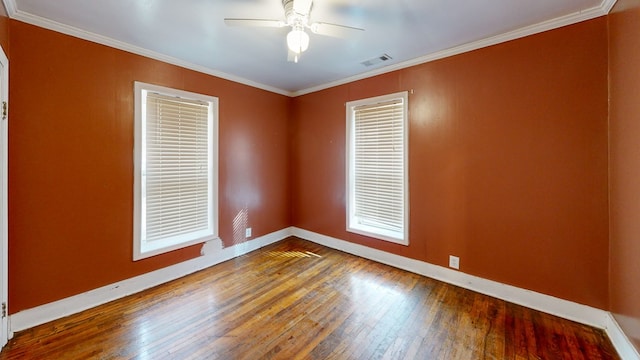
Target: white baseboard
212,254
562,308
531,299
620,340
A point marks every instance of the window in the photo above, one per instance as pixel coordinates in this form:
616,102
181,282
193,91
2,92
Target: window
377,191
175,177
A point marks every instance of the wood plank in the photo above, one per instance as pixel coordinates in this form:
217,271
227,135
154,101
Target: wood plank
299,300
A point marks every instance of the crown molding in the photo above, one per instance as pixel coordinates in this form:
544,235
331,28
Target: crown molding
600,10
107,41
594,12
11,7
607,5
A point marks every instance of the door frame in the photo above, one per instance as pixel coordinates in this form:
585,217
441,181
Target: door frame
4,207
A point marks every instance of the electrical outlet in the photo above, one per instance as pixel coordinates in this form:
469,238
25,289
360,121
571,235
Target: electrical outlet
454,262
247,232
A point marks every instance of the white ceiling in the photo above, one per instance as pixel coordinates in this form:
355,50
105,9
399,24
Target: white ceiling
192,33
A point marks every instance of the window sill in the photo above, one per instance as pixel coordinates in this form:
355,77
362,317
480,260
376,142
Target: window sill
160,247
380,234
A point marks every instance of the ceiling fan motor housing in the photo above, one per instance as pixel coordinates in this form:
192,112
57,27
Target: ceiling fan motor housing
293,18
297,13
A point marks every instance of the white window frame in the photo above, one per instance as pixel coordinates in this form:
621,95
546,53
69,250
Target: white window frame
354,224
141,247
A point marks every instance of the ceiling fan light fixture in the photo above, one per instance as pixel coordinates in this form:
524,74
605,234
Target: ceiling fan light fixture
298,40
297,14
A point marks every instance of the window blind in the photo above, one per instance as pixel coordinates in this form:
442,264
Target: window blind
378,167
176,167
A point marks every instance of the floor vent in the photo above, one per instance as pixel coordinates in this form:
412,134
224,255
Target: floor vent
376,60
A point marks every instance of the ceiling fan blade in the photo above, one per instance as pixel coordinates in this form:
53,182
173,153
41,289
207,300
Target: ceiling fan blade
254,22
302,7
334,30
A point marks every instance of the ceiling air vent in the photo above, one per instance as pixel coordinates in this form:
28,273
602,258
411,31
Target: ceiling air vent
376,60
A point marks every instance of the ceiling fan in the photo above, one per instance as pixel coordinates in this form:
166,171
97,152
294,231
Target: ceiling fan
296,13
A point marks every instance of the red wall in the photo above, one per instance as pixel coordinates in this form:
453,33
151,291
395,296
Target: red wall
71,163
507,161
4,30
624,32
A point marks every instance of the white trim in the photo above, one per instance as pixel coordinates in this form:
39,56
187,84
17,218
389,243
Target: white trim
607,5
352,221
141,247
212,254
548,304
4,189
594,12
11,7
107,41
620,340
531,299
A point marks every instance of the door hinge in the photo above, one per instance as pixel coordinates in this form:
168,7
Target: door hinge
4,110
4,309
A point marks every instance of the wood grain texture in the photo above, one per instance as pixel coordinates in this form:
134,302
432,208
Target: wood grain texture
298,300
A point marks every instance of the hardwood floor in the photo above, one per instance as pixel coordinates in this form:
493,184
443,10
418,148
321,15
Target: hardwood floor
299,300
